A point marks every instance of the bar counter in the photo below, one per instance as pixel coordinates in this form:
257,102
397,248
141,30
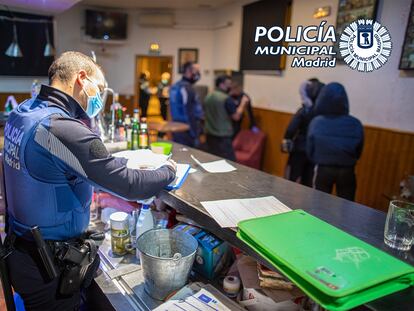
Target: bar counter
358,220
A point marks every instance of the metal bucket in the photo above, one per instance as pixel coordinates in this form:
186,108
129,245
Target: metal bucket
167,257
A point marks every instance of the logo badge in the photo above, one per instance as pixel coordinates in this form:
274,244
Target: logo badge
365,45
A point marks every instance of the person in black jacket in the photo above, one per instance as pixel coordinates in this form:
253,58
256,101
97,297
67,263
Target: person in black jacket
299,167
144,93
237,93
334,143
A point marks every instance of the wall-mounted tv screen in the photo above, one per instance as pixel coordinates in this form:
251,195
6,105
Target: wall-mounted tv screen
106,25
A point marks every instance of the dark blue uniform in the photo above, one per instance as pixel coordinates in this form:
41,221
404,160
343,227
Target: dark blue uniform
185,107
51,161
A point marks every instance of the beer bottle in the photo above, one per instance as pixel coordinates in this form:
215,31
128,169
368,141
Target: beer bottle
119,127
128,131
135,135
136,114
143,135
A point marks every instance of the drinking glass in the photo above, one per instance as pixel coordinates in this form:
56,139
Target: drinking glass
399,227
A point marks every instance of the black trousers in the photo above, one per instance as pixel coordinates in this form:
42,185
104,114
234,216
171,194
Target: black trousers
143,105
343,177
300,169
29,280
221,146
163,107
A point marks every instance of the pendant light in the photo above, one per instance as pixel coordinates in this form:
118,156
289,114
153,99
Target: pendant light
49,49
14,50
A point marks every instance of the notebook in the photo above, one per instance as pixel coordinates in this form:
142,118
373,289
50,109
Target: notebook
146,159
180,176
334,268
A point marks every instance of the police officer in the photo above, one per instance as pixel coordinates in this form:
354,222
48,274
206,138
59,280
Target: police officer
51,161
186,107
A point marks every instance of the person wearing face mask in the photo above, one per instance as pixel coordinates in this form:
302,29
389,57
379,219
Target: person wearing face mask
239,95
185,106
299,168
51,162
144,93
220,111
163,91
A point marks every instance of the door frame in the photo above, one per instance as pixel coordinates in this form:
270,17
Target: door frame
136,78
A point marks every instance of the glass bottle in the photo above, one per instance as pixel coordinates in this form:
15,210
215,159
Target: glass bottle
128,131
136,114
135,135
119,127
143,136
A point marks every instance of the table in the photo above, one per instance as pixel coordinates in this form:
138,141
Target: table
358,220
168,126
361,221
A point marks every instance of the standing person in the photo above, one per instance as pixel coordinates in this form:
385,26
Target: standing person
185,106
144,93
334,143
238,94
220,112
299,167
51,162
163,93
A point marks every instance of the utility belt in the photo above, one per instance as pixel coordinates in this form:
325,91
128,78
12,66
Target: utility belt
74,261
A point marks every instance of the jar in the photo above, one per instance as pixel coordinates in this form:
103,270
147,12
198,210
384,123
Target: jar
119,233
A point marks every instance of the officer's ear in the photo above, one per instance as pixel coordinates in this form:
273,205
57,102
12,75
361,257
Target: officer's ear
81,77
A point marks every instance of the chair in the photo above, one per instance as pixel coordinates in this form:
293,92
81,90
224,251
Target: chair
248,147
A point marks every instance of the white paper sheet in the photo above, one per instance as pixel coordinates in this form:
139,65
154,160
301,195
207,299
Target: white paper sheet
148,160
142,159
228,213
203,300
220,166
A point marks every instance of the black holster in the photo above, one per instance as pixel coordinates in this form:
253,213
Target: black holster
79,260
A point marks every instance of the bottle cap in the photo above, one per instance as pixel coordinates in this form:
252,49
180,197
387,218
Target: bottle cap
119,221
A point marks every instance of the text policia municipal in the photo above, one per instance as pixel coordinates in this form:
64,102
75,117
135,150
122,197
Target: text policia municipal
310,34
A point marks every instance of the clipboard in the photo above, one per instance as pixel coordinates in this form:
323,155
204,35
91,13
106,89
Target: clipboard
180,177
334,268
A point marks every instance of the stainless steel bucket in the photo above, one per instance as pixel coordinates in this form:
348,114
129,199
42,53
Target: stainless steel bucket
167,257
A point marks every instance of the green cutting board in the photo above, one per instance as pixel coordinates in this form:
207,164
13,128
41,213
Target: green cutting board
334,268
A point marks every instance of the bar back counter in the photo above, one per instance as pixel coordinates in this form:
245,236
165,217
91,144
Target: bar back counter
358,220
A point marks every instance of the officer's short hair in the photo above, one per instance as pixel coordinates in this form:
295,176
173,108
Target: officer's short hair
69,64
222,78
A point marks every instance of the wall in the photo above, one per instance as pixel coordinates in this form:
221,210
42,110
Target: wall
118,61
382,98
387,158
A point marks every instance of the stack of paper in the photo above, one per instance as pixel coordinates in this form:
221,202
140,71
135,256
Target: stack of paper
220,166
200,301
145,159
142,159
228,213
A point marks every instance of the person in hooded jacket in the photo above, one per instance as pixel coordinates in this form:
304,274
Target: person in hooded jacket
334,142
299,167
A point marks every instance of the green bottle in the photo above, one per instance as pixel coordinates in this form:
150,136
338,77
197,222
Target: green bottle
135,135
128,131
119,126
